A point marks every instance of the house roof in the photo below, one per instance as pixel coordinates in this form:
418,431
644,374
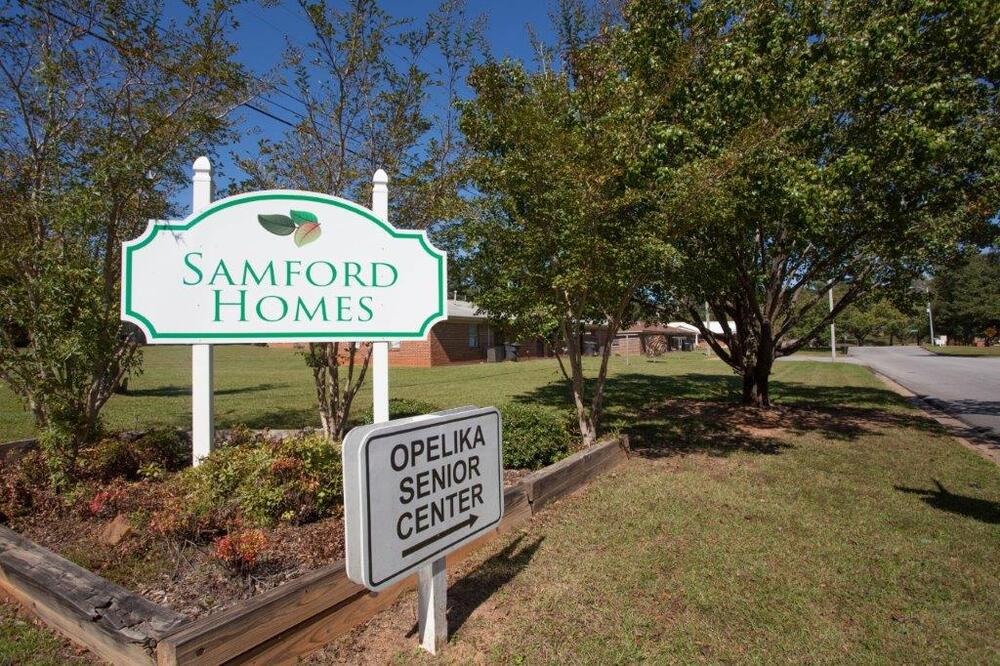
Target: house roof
458,309
663,329
713,326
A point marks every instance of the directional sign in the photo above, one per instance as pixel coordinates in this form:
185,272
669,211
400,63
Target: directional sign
416,489
282,265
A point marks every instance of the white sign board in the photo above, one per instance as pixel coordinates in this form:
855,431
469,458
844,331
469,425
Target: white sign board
417,489
282,265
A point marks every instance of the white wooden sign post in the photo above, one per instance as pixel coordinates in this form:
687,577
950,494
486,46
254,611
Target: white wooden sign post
202,381
380,350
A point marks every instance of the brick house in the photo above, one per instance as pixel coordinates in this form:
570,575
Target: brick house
645,339
465,337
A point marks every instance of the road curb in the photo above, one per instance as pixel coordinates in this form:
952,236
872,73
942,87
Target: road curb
968,436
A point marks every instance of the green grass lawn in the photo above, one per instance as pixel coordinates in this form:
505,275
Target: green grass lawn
264,387
968,350
843,528
24,643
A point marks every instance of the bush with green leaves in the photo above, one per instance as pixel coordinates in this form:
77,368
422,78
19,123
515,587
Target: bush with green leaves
533,436
401,408
150,455
261,483
75,184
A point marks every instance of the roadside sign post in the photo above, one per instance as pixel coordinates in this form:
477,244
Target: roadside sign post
202,362
432,605
415,490
833,330
380,350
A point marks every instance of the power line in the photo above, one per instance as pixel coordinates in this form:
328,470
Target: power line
247,104
269,84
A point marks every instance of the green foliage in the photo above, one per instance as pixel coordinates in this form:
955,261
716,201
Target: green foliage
801,144
967,297
533,436
96,136
259,484
150,455
562,239
865,319
401,408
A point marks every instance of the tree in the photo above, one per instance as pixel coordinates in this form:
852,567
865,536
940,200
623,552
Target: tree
800,143
365,109
559,245
864,319
102,108
966,296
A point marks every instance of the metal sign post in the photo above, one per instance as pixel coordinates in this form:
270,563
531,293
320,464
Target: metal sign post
415,490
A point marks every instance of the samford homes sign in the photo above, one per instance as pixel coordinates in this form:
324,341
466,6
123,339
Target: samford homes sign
282,265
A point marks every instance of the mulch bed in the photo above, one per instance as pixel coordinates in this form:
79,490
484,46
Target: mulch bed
186,577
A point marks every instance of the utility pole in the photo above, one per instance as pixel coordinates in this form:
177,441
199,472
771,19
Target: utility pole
833,331
930,320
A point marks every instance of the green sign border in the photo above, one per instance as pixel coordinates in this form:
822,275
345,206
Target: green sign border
153,334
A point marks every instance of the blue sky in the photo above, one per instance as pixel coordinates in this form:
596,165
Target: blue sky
261,38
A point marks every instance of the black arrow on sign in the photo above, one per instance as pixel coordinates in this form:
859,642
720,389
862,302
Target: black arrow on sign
468,522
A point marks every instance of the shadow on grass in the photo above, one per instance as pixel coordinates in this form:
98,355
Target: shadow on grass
985,511
469,593
278,419
173,391
672,414
983,407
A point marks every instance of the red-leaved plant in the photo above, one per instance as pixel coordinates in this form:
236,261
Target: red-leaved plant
241,549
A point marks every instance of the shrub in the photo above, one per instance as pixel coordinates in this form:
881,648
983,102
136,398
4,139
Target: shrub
533,437
163,449
106,503
295,480
400,408
24,486
241,549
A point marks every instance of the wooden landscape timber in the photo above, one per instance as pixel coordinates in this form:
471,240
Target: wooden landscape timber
557,480
114,623
277,626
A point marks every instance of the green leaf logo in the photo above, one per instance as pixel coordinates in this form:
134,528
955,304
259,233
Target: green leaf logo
302,223
306,233
303,216
280,225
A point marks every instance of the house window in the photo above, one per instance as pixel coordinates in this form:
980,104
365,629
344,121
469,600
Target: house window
473,335
394,344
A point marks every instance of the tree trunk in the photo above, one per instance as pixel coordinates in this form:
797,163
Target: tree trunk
756,386
756,377
574,353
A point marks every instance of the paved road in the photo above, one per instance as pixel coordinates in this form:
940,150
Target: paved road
967,387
